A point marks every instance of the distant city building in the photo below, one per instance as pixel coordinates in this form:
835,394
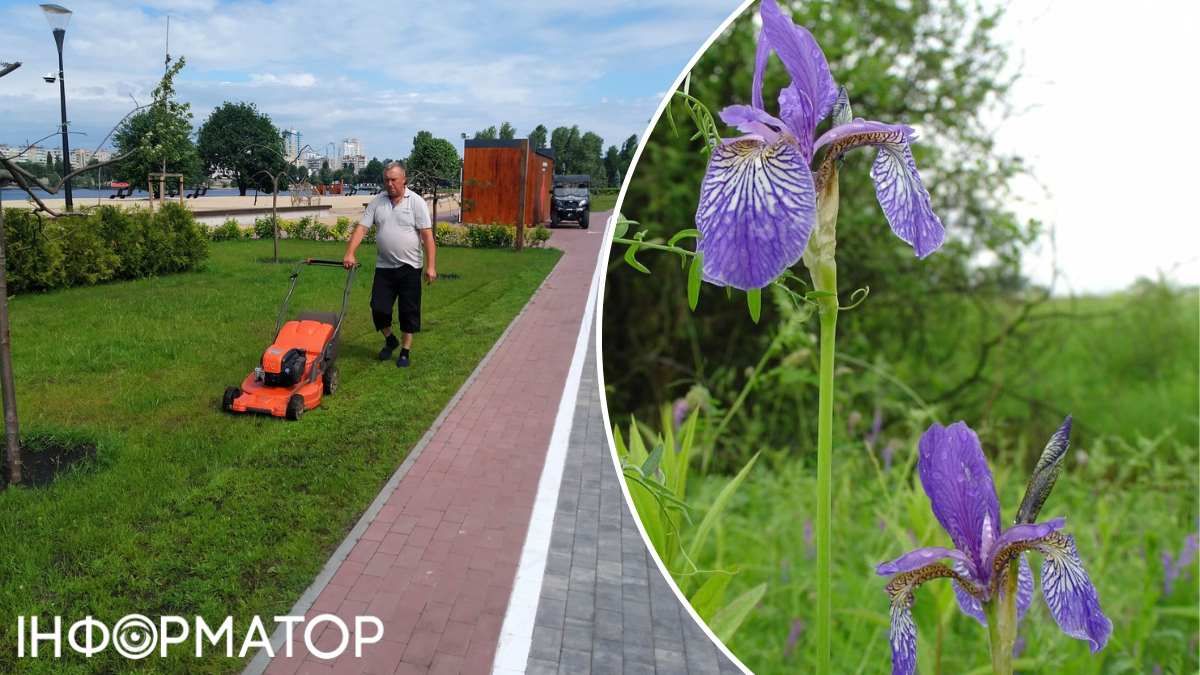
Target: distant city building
314,162
352,155
81,157
292,145
34,154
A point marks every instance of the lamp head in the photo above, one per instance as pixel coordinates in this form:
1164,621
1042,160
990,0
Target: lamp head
57,16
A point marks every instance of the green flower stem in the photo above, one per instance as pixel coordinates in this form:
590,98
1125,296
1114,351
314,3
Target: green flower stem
825,278
1002,623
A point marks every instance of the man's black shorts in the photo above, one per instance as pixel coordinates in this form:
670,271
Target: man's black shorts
400,286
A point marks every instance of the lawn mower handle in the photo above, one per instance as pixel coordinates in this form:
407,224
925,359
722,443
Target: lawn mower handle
337,329
320,261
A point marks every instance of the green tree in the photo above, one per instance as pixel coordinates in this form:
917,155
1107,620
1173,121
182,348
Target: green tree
589,157
431,159
238,139
159,137
565,143
612,166
507,131
628,148
373,172
487,134
325,175
537,137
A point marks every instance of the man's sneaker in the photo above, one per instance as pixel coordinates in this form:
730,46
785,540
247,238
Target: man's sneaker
389,346
402,361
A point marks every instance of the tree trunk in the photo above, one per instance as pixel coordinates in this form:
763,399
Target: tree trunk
12,434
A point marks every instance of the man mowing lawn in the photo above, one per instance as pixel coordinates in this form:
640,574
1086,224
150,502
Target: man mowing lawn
403,234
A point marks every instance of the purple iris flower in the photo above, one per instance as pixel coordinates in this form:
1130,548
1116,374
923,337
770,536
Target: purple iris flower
958,481
758,200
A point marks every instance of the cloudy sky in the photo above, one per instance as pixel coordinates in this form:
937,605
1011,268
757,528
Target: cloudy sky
376,71
1100,84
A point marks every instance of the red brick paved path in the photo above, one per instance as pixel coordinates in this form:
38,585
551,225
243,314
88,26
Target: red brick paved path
437,563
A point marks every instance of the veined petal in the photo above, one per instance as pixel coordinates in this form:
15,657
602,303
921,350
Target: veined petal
756,212
902,195
969,604
903,636
958,481
1069,592
920,558
797,109
803,59
754,121
1024,587
1016,539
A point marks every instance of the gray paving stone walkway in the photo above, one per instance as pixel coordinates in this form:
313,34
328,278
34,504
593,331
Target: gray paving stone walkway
604,605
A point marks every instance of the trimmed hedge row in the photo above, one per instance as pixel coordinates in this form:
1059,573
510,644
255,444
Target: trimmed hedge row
445,234
105,244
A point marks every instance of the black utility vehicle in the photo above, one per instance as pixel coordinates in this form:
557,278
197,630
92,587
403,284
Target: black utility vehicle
570,200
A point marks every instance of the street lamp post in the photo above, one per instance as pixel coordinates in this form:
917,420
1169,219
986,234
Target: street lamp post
58,17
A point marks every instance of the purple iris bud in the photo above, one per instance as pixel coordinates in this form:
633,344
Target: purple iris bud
793,637
758,199
809,549
1173,568
888,452
680,410
876,427
958,481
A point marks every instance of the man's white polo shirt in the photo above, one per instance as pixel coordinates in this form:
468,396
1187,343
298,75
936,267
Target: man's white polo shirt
396,228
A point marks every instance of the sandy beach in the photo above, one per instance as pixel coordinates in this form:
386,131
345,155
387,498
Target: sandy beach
351,207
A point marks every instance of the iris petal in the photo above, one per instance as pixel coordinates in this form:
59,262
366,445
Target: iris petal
903,636
797,109
921,557
902,195
905,201
969,604
803,59
1069,592
1024,587
753,120
756,212
958,481
761,53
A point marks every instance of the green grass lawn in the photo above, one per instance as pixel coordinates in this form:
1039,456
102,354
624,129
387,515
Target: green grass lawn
189,510
603,202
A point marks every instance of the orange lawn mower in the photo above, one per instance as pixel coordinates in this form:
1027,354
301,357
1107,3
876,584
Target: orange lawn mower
300,366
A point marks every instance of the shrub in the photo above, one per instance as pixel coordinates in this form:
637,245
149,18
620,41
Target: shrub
537,237
341,229
35,260
106,244
451,235
227,231
264,228
320,231
491,236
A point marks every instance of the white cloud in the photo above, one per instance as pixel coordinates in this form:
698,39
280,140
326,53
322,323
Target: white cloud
380,73
301,80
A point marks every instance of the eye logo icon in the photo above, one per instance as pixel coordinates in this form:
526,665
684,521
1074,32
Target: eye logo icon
135,636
